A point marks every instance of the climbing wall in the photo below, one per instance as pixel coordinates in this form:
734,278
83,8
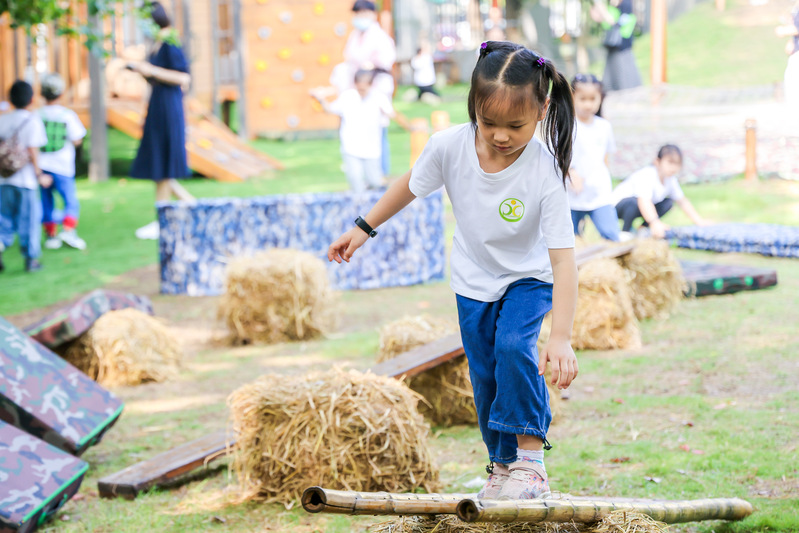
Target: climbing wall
291,46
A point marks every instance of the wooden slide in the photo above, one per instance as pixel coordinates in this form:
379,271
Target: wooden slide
213,149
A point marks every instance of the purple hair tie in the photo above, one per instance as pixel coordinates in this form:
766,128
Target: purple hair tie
541,61
484,45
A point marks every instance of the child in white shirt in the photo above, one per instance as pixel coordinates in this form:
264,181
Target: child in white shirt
64,132
362,111
590,186
651,192
20,208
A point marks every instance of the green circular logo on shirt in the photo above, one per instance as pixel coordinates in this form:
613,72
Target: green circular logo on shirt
511,210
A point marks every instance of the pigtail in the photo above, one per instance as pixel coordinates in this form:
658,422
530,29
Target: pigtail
558,125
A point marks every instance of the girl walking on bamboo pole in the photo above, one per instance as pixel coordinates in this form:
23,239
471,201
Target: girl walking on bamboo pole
513,251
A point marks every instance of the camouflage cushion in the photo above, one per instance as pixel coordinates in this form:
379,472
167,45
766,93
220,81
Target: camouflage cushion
44,395
36,479
711,278
70,322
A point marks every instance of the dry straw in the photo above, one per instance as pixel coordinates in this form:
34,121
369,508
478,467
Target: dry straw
276,296
446,388
656,281
340,429
604,319
616,522
126,347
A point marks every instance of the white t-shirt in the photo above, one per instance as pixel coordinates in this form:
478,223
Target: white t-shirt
31,135
645,183
505,221
592,142
424,70
63,128
372,47
361,122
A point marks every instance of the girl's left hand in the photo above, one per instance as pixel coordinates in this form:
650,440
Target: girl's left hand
562,361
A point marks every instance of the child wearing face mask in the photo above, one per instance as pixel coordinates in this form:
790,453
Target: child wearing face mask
651,192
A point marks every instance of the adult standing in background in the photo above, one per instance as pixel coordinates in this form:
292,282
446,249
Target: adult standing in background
791,30
619,21
162,152
369,47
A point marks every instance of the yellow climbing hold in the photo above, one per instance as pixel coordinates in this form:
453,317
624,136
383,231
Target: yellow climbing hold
324,60
316,106
205,143
306,37
284,53
266,103
319,9
261,65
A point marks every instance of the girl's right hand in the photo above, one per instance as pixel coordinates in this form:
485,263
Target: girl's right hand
345,246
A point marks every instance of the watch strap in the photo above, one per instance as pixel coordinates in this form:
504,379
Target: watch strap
361,223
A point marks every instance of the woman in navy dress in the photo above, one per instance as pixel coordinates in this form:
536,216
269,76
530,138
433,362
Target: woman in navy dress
162,152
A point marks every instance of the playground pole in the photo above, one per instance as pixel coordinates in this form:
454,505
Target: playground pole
657,26
99,168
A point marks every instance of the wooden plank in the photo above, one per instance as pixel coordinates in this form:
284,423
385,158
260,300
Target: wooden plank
420,359
166,466
602,251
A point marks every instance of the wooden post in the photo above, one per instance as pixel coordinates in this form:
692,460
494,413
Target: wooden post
99,168
721,5
657,32
440,120
420,132
241,104
750,172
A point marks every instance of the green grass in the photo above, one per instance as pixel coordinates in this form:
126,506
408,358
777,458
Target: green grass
707,48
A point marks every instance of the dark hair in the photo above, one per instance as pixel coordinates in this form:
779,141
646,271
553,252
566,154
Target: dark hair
160,16
590,79
363,73
21,94
670,149
504,64
364,5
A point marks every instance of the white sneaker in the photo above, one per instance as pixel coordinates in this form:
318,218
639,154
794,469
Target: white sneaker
53,243
494,483
625,236
149,232
70,238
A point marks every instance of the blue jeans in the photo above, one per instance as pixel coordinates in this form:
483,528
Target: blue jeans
604,218
65,186
500,343
21,213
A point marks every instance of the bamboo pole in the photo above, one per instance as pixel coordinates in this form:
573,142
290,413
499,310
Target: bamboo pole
588,511
319,499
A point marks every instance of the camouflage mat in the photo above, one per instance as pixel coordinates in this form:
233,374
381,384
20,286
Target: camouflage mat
44,395
69,323
36,480
706,279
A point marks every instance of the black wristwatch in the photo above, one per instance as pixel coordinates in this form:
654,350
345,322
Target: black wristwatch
361,223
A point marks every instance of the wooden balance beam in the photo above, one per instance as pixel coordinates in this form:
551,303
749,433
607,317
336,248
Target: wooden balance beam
563,509
166,467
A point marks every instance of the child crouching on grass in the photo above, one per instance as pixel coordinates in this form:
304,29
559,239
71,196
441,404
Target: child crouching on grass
512,255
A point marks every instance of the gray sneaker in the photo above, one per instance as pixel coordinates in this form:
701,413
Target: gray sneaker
53,243
71,239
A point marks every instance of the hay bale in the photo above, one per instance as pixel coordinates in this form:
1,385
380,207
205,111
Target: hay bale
604,319
446,388
277,296
126,347
615,522
656,281
339,429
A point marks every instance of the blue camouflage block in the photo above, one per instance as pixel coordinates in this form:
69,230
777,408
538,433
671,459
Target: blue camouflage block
765,239
44,395
197,241
36,479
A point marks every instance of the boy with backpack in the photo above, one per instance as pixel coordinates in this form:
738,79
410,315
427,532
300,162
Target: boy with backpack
57,159
22,133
